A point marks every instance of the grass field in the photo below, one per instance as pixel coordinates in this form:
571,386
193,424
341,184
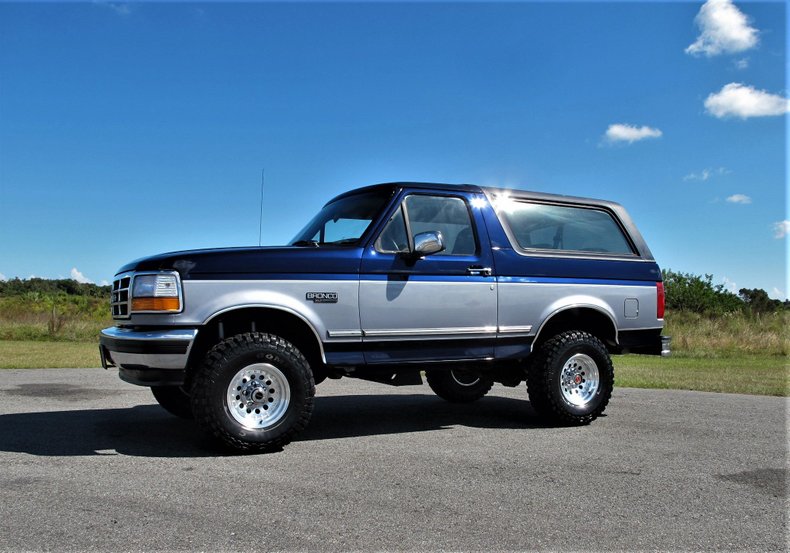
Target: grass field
740,352
55,324
38,317
729,335
743,374
30,354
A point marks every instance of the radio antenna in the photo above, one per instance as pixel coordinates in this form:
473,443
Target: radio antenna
260,218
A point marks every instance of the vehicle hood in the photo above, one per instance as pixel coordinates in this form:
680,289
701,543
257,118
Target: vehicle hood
244,263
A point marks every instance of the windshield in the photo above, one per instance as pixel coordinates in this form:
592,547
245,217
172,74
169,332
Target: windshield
343,221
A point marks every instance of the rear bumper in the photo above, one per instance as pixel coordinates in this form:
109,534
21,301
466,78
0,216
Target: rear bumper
645,342
666,342
147,357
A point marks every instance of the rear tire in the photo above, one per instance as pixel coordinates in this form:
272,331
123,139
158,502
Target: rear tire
174,400
458,386
571,378
254,392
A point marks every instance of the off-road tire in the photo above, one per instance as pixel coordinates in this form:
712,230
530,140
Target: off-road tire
174,400
227,362
458,386
547,383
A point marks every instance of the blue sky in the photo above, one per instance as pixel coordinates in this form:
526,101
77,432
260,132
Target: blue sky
132,129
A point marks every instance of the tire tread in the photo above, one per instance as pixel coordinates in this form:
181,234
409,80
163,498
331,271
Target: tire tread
540,377
210,372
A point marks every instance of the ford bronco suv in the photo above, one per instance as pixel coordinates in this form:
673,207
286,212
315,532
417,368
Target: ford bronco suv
466,285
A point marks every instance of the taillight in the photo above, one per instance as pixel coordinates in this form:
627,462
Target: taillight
660,300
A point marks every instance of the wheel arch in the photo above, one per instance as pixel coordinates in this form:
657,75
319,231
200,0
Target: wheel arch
595,319
283,322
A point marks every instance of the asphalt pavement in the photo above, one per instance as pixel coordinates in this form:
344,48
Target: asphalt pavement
91,463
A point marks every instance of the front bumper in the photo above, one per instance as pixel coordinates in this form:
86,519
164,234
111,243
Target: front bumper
147,357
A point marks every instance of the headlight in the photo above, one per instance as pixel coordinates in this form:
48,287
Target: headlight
157,292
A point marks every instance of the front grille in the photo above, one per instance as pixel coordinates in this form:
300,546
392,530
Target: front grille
119,301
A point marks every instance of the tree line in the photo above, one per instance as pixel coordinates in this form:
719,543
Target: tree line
686,291
52,287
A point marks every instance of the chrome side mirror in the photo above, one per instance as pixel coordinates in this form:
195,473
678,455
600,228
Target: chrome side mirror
428,243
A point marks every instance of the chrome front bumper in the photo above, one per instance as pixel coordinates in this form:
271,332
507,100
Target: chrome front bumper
146,349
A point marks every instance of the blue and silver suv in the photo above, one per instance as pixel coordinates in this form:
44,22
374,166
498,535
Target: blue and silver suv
467,285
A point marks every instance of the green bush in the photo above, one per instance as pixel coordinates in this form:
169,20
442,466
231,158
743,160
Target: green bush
53,310
688,292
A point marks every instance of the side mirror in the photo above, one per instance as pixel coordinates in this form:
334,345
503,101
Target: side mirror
428,243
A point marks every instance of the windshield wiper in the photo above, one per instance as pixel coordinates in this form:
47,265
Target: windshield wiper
310,243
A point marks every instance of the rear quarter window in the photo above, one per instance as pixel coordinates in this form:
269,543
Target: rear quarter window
565,228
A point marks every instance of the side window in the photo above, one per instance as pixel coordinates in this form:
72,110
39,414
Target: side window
447,215
565,228
393,238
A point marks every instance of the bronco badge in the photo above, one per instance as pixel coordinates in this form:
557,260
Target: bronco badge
322,297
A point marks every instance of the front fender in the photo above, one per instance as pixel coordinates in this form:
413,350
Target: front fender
205,300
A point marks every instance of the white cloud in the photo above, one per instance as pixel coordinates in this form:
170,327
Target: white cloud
781,229
729,285
117,7
2,277
707,173
739,100
79,277
777,294
742,63
723,29
702,175
622,132
104,282
739,199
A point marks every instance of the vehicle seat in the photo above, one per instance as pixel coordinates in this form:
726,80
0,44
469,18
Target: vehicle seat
464,242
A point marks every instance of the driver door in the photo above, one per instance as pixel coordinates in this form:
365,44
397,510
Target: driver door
438,307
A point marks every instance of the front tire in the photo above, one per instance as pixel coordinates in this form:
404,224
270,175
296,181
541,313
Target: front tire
571,378
254,392
174,400
458,386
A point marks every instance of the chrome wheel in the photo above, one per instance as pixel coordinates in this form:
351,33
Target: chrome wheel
258,396
464,378
570,379
579,380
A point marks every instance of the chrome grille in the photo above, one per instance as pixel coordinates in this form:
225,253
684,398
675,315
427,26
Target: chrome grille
119,300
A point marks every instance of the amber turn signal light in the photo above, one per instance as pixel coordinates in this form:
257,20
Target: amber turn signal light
155,304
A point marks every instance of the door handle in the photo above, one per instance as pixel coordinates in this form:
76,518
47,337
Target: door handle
478,270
